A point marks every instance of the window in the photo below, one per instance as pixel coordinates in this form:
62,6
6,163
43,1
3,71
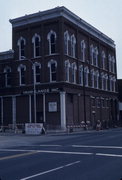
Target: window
74,68
106,82
110,62
83,47
103,60
102,81
67,67
110,83
51,37
81,75
7,72
91,53
113,64
98,102
95,57
52,65
21,43
114,84
92,77
36,45
37,67
86,76
96,80
73,43
66,42
21,70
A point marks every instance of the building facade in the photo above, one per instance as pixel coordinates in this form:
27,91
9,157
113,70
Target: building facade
61,71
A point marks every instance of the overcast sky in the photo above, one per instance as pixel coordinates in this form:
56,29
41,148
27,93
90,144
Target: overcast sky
105,15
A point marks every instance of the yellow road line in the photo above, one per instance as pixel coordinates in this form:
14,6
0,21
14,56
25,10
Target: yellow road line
18,155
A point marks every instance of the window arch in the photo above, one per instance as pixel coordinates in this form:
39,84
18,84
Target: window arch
83,47
36,45
21,70
86,76
21,43
36,69
52,64
74,68
103,56
66,42
81,75
51,37
7,71
67,68
73,44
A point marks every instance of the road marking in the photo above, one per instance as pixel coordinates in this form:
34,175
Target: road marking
50,145
105,147
43,151
17,155
51,170
109,155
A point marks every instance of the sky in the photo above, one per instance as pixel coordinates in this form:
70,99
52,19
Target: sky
105,15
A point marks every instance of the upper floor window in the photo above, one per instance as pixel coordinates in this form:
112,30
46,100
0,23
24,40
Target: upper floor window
52,64
83,47
95,56
113,64
21,70
86,76
96,83
36,69
51,37
92,78
110,63
21,43
66,42
106,82
73,44
36,45
81,75
91,53
102,81
7,72
74,68
103,56
67,68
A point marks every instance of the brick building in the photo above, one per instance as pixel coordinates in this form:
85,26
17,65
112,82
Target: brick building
61,71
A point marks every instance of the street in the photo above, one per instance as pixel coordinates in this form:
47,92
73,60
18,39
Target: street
93,155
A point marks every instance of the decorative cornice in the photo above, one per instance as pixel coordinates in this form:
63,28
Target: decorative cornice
64,12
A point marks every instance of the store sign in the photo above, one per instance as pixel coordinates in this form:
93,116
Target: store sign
33,128
52,106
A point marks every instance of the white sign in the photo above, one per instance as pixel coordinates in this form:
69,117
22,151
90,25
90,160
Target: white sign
33,128
52,106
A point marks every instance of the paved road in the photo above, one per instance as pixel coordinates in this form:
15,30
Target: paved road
84,156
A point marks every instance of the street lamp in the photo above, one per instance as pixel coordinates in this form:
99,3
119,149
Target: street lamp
34,87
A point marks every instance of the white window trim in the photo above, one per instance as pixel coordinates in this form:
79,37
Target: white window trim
6,77
33,41
66,42
81,75
49,39
73,43
86,70
19,70
103,59
49,66
74,68
67,64
83,47
34,66
92,77
19,44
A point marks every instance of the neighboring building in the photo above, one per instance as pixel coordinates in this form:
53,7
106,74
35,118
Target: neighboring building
75,72
120,100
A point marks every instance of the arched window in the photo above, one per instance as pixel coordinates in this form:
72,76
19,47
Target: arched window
113,64
21,70
91,53
74,68
103,56
92,78
110,83
66,42
52,64
83,47
7,71
81,75
51,37
110,63
96,79
37,67
102,81
36,45
86,76
114,84
67,67
21,43
95,56
73,44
